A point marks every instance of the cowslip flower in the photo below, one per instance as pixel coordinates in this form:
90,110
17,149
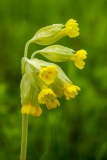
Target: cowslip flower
58,53
70,91
48,74
48,97
52,33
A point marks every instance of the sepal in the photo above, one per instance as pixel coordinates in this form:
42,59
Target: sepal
48,35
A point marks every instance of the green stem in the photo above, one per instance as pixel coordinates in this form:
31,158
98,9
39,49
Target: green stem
34,54
24,136
26,47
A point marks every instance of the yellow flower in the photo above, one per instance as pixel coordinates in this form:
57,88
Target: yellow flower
30,109
52,33
42,82
78,58
48,74
52,104
58,53
47,96
71,28
70,91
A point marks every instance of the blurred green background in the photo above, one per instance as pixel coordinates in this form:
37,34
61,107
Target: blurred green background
78,129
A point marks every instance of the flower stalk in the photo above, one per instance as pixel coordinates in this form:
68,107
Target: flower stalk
26,47
24,136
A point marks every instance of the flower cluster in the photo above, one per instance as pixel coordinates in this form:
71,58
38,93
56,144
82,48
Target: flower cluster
43,82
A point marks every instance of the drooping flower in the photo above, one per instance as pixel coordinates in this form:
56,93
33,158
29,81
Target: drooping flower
30,109
58,53
70,91
52,33
48,97
52,104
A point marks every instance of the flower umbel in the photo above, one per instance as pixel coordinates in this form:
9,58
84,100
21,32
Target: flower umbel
43,82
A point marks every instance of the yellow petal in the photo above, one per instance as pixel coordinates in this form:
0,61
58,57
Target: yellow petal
71,28
78,58
36,111
52,104
48,74
70,91
46,95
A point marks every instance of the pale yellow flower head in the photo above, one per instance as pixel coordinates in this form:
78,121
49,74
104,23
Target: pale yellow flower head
48,74
71,28
78,58
42,82
70,91
30,109
48,97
